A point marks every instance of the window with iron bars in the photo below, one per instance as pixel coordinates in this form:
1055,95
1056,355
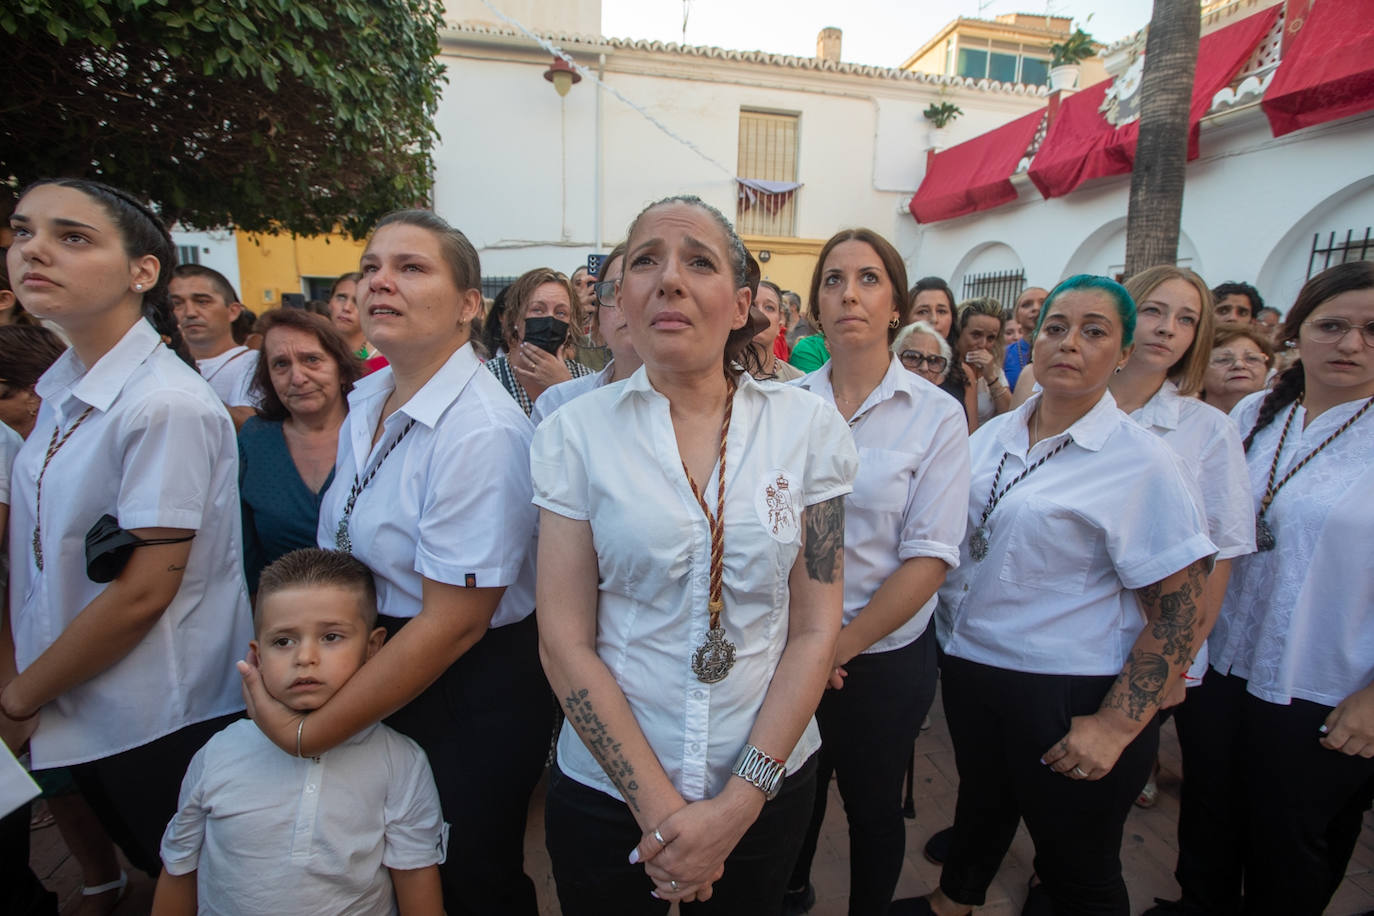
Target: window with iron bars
1004,286
1352,248
493,285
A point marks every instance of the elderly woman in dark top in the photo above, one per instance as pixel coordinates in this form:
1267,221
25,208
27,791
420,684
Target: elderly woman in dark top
286,452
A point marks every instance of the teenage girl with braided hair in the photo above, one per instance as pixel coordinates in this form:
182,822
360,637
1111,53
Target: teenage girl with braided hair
1285,719
121,681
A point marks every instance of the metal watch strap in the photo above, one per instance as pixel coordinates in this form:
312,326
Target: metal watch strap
761,771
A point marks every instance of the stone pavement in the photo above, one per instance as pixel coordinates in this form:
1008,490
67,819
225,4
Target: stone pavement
1148,848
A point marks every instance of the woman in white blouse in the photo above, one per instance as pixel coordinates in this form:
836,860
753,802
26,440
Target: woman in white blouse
903,525
1285,717
1173,336
124,680
608,324
690,586
431,490
1072,610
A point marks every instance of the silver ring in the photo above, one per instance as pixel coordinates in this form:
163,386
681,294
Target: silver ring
658,836
672,883
1079,771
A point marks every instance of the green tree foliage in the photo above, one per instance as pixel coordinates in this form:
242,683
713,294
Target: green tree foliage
268,115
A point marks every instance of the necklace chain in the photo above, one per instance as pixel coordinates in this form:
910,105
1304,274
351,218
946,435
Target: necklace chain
716,524
978,539
1271,489
54,445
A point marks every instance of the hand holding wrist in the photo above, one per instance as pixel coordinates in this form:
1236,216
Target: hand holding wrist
13,706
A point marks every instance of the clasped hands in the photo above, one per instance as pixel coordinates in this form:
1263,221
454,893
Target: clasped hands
685,854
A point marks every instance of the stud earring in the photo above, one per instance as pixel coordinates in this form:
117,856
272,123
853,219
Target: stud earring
138,287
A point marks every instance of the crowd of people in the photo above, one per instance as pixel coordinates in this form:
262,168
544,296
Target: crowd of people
302,606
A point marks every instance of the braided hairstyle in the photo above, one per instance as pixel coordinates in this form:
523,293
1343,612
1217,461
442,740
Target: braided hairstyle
1292,384
143,233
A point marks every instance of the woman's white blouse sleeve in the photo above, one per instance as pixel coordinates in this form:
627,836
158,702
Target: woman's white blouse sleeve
559,469
1168,532
175,440
832,461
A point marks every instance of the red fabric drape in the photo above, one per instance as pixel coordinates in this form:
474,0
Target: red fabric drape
1327,71
976,174
1081,145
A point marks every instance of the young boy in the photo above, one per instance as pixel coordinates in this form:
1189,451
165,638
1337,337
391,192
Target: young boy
259,831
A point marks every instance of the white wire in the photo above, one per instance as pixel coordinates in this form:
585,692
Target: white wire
558,52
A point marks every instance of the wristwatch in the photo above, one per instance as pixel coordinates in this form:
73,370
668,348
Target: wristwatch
761,771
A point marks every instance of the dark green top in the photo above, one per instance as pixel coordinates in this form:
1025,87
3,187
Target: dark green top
810,353
280,513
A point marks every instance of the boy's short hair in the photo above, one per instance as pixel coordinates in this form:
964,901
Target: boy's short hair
314,567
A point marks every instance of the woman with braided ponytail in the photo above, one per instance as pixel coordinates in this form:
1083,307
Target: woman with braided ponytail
122,667
1273,804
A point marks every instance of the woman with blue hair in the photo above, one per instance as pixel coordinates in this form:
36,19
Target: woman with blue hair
1073,609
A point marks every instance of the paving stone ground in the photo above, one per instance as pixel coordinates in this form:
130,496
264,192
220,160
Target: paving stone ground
1148,848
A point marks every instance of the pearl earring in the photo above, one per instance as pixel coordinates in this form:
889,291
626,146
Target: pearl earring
138,287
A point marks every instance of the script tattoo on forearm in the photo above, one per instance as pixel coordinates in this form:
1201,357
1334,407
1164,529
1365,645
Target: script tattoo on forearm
824,523
603,746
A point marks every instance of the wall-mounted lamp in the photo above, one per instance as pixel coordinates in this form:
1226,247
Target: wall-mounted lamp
562,75
765,255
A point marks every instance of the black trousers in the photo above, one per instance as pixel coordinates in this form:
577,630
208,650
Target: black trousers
1001,722
134,793
1265,807
21,893
590,834
867,729
484,724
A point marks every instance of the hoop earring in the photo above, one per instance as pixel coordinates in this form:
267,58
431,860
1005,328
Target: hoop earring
896,322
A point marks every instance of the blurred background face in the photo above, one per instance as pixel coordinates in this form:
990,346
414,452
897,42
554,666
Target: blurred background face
614,330
921,355
1028,309
980,333
303,374
932,306
1233,307
343,309
1237,368
768,303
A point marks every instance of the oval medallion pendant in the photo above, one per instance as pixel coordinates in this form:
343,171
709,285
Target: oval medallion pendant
714,658
978,543
1264,535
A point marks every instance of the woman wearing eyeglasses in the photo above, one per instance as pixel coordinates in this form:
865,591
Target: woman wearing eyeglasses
608,324
1285,718
1239,366
921,349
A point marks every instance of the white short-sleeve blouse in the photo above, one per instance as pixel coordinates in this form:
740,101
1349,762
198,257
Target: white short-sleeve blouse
910,497
157,451
1298,620
563,392
1068,545
451,501
610,457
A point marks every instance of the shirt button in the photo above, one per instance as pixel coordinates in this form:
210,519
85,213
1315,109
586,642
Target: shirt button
310,789
695,747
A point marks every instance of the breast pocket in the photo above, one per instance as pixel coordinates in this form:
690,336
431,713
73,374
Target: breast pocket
1050,547
882,481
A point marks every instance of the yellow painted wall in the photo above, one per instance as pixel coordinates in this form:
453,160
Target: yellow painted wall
270,265
790,261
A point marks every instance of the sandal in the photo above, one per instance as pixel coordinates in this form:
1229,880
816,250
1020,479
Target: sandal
120,884
1148,795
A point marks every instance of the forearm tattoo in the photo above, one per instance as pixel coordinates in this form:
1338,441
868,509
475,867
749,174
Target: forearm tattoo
604,747
1141,685
824,523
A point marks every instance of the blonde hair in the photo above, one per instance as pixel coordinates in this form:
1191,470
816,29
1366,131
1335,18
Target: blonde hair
1189,371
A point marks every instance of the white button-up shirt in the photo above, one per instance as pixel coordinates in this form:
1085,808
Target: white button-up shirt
269,834
560,394
157,451
231,376
1068,544
911,494
1298,620
611,457
1213,459
451,502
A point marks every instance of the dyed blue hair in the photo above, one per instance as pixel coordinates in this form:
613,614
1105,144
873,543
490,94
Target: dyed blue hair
1125,305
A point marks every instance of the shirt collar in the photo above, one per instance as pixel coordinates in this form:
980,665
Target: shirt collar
896,380
638,384
1091,431
429,403
102,383
1162,410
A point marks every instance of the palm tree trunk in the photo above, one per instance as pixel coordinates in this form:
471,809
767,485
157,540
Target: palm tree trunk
1166,90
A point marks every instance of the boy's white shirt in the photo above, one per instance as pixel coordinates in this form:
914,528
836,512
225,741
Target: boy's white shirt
269,833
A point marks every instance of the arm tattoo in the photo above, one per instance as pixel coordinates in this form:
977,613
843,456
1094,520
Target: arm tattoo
1175,614
604,748
1140,686
824,550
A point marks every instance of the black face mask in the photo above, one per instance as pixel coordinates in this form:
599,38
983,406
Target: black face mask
547,333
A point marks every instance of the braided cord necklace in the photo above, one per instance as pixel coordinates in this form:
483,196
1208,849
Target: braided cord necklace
1264,533
54,445
343,540
714,658
978,540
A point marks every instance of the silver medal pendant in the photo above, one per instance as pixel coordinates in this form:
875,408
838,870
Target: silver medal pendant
978,543
1264,535
714,658
341,539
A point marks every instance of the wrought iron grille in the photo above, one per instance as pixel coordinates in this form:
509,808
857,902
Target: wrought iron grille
1353,248
1004,286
